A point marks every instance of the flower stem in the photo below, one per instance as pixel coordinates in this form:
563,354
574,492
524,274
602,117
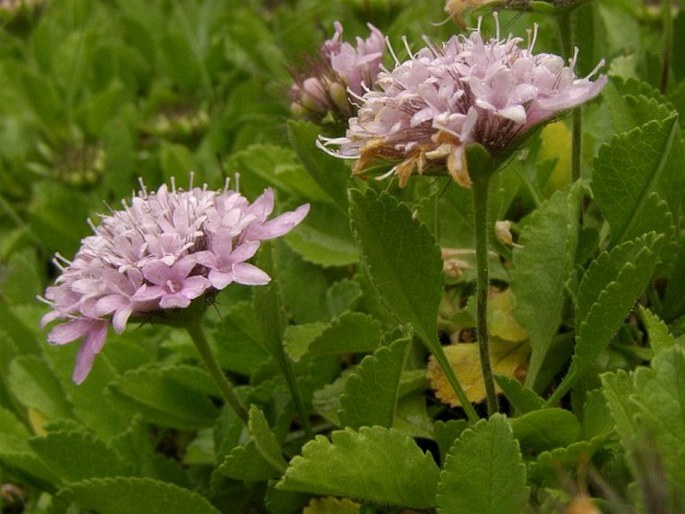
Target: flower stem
481,184
565,20
227,391
447,369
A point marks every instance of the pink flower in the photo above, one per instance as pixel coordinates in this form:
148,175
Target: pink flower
429,108
161,251
340,74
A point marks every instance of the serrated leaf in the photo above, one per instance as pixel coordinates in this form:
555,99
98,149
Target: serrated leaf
659,394
78,456
374,464
324,237
128,495
484,472
546,429
17,458
403,260
265,440
163,398
331,174
446,432
331,505
542,264
521,398
607,292
633,103
342,296
506,359
631,167
372,390
660,338
649,414
545,469
353,332
246,463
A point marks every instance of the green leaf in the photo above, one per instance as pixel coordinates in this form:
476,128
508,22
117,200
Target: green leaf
265,440
542,265
633,103
77,456
522,398
659,393
374,464
353,332
128,495
660,338
278,167
649,415
34,384
167,396
446,432
484,472
324,237
176,161
546,429
342,296
17,458
403,260
239,345
10,425
546,468
606,293
246,463
331,174
372,390
629,169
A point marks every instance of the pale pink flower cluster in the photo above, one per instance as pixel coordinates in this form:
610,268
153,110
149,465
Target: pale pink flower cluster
341,73
161,251
429,108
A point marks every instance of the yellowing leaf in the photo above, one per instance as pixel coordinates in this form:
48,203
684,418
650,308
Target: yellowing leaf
501,322
507,359
330,505
556,145
37,421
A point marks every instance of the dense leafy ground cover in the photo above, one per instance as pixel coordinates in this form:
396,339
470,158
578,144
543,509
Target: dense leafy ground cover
346,409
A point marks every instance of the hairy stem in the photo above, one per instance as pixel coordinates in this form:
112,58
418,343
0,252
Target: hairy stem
481,184
225,386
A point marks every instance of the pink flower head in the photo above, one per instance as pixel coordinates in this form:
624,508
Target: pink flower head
340,74
159,252
429,108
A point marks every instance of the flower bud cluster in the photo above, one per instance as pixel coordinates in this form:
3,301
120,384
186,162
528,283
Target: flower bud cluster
341,73
159,252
